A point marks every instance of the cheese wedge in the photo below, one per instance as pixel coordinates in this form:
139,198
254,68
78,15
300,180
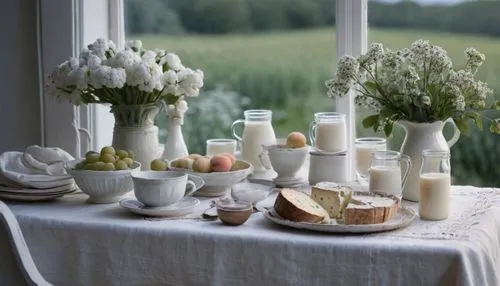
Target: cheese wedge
298,206
332,198
350,207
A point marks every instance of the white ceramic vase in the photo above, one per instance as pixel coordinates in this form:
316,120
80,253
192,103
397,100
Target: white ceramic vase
175,147
421,136
135,130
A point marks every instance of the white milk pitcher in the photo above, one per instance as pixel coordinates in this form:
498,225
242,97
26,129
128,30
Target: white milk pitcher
258,131
328,132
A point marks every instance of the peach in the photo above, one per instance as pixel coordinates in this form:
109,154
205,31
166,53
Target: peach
184,163
296,140
220,163
202,165
230,156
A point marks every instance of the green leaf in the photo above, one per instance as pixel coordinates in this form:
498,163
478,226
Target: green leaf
477,119
384,112
388,128
370,86
494,127
462,125
370,120
496,105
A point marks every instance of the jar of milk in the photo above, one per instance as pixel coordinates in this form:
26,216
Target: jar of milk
328,132
257,131
385,173
435,185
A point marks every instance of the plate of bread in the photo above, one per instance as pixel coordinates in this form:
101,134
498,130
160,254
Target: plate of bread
332,208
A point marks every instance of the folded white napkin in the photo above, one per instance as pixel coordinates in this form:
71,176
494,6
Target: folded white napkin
37,167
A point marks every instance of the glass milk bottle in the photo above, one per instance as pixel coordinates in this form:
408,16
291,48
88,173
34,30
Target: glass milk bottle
435,185
258,131
385,173
328,132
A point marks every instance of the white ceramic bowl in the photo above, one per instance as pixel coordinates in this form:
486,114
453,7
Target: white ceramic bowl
284,160
103,187
219,183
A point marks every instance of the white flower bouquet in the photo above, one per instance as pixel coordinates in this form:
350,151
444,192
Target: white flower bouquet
417,84
133,76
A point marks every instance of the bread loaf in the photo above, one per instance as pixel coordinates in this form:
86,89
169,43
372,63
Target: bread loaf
298,206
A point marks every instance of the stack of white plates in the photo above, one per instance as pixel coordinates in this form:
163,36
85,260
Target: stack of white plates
32,194
21,182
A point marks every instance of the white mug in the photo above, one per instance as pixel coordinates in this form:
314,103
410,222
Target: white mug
161,188
326,167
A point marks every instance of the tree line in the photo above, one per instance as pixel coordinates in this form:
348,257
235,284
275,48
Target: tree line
245,16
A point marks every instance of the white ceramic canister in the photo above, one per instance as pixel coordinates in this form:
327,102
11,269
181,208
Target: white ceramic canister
327,167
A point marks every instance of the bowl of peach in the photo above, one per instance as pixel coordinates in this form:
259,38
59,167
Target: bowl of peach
219,172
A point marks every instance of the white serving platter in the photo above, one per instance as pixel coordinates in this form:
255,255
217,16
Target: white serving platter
402,218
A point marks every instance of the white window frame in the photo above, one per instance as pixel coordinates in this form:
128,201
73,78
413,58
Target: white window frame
64,27
90,19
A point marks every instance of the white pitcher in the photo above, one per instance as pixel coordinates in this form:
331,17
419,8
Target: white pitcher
258,131
421,136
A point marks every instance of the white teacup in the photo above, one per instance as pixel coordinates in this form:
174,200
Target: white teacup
284,160
161,188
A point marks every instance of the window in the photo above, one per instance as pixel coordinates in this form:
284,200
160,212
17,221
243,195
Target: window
454,25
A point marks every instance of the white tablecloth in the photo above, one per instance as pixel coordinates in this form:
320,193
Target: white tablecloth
74,243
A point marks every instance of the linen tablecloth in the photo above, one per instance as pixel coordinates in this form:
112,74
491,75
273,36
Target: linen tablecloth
74,243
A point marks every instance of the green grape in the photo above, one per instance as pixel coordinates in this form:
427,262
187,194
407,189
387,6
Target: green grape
90,166
131,154
108,150
129,161
122,154
99,166
109,167
158,165
121,165
92,157
80,166
107,158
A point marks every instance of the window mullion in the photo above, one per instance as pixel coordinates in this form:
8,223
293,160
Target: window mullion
351,39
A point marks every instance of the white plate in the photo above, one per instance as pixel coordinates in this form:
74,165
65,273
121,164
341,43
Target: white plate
33,191
33,197
185,206
402,218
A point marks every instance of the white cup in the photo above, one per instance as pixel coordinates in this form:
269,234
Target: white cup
161,188
326,167
219,146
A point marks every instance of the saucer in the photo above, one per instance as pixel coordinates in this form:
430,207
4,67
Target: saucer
185,206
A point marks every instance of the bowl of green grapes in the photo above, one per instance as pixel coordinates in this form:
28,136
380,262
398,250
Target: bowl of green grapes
106,175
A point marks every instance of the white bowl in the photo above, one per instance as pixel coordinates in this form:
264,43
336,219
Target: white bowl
219,183
103,187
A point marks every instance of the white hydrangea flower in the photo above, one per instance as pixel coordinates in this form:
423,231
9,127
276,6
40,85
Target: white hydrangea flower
135,45
125,59
190,82
94,61
173,61
474,58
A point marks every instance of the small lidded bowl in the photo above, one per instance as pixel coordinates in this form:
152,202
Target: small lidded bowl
232,212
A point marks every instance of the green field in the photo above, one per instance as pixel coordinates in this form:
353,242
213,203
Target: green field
286,71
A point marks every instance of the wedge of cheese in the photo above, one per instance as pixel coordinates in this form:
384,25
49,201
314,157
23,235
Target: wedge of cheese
297,206
349,207
331,197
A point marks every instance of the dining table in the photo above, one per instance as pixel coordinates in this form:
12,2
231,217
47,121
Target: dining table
76,243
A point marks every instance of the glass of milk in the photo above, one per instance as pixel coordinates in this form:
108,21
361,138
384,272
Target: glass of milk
219,146
328,132
257,131
364,149
385,173
435,185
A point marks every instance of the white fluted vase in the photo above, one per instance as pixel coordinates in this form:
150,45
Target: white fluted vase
175,147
